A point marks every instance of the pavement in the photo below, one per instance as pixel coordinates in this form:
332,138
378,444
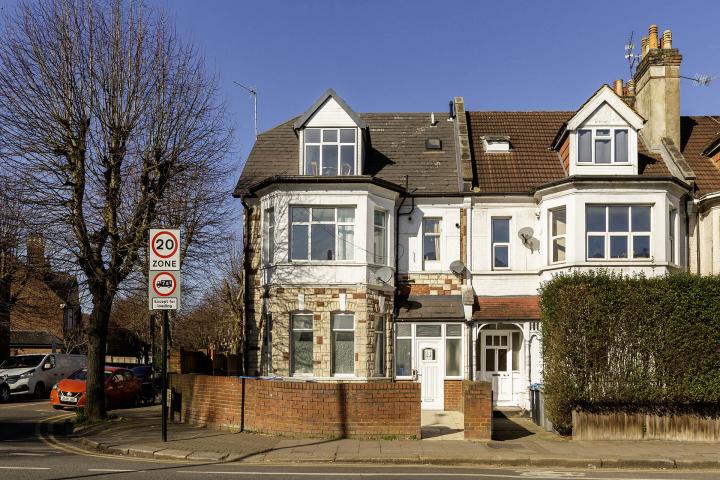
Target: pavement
517,442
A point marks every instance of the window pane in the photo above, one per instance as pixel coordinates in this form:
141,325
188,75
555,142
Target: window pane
379,351
640,219
516,351
618,218
500,256
641,246
345,215
347,135
379,218
312,135
595,219
431,225
403,329
379,245
618,247
323,242
302,349
302,322
299,246
403,357
312,160
329,159
323,214
621,146
585,146
431,247
299,214
596,247
347,160
330,135
453,357
489,359
558,250
500,230
346,242
489,340
502,359
602,133
602,151
558,222
503,340
343,322
428,331
344,352
453,330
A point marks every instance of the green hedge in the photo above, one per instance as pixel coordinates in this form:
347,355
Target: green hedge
630,344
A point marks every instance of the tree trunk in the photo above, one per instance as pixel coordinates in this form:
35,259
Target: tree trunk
97,331
4,319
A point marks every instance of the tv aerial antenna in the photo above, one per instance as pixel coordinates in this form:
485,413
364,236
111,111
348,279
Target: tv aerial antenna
700,79
631,57
253,92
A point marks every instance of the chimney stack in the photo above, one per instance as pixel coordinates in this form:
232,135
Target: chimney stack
657,89
618,87
36,250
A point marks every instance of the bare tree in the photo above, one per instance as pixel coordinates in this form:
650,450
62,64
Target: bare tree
103,109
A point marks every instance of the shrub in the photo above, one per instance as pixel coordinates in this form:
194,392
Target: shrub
614,343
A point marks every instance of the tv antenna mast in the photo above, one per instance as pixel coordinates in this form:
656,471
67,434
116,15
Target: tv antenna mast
700,79
631,57
253,92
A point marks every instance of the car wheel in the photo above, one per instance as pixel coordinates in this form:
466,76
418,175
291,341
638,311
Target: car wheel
4,393
39,390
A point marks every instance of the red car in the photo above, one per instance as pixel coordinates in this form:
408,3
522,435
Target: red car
121,388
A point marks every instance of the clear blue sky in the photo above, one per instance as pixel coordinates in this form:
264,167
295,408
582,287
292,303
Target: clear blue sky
416,55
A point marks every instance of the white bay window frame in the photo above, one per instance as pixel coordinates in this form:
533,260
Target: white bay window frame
336,227
630,234
323,144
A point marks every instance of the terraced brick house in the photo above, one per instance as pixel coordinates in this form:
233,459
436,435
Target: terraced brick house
411,246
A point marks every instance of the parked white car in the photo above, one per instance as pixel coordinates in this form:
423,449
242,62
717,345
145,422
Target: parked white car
37,373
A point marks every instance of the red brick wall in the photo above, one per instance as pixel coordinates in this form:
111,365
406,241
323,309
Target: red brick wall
453,395
359,410
477,403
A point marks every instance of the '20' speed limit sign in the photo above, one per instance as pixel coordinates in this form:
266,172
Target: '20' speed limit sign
164,249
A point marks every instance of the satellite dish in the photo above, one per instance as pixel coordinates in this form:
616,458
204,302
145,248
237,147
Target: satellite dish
457,267
525,234
384,274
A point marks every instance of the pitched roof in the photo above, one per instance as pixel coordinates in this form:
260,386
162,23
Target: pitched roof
506,308
695,135
20,338
530,163
395,149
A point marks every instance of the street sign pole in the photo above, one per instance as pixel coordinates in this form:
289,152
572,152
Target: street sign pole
164,281
164,375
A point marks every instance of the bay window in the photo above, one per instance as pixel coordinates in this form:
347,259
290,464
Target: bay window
379,325
380,237
269,235
617,231
322,233
603,146
330,151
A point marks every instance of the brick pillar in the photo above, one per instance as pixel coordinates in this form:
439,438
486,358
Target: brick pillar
477,406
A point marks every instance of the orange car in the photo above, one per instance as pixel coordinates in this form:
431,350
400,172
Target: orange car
121,388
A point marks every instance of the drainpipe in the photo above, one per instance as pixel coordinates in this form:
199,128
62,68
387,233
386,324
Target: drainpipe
246,284
396,303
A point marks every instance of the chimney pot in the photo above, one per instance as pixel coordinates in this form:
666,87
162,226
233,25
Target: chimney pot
618,87
667,40
653,37
630,87
643,46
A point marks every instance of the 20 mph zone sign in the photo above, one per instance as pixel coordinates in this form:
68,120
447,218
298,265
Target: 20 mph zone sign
164,275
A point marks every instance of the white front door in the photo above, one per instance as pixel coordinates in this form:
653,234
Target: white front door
430,374
496,358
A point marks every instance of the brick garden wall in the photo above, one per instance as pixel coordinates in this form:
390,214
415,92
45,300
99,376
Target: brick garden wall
354,410
478,411
453,395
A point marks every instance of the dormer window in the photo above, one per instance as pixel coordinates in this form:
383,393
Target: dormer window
496,143
603,146
330,151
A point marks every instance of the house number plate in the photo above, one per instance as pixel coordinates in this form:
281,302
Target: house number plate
428,354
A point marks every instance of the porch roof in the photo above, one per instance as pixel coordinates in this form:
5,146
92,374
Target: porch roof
506,308
430,308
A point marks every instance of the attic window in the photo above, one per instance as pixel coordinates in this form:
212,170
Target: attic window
496,143
433,144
